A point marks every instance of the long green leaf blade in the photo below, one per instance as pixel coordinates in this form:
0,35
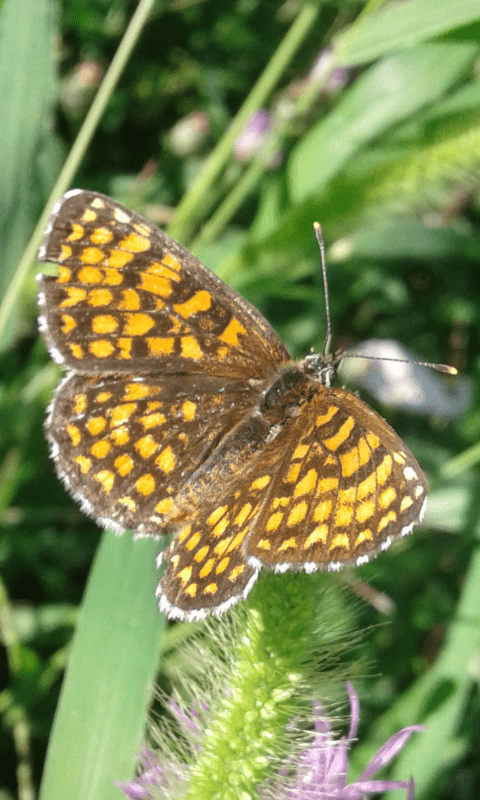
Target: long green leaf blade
102,709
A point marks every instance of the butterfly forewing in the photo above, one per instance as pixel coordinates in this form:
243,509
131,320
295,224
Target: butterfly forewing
129,299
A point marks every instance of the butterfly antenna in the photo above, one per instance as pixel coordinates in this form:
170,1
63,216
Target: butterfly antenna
321,244
438,367
328,338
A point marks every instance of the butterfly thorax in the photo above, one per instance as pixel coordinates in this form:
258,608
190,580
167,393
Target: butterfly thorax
290,389
297,382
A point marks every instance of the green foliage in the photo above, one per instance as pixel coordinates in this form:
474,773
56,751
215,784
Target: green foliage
389,163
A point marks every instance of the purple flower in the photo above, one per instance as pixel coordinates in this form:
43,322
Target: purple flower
336,79
323,768
253,137
321,771
154,778
164,777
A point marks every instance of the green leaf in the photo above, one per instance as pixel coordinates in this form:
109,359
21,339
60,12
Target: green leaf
447,685
408,237
403,25
106,692
465,99
386,94
26,91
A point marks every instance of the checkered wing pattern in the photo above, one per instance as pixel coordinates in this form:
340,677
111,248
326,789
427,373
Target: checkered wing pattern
182,412
130,300
331,487
158,350
124,445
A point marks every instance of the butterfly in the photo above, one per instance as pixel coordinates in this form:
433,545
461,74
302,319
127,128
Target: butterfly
183,412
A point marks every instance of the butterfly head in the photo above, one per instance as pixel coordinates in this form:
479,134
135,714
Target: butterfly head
323,367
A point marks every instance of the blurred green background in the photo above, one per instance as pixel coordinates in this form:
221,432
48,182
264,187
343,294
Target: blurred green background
365,119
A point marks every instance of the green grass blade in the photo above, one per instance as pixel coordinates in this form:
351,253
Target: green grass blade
73,161
446,689
187,212
386,94
106,693
26,91
403,25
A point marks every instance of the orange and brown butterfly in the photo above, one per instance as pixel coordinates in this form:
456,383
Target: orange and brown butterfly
182,412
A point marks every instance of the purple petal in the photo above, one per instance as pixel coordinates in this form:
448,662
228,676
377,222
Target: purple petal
410,789
184,719
319,753
148,759
133,790
357,790
140,788
253,135
338,765
354,711
389,750
322,723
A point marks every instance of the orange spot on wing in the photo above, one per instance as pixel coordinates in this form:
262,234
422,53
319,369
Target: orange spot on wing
191,348
159,346
130,300
122,413
95,425
188,410
146,446
155,284
137,324
91,255
307,484
102,348
101,448
201,301
125,346
106,479
84,463
74,434
232,331
123,464
340,540
101,236
166,460
104,323
117,259
322,419
64,274
77,232
74,295
135,391
164,506
80,403
134,243
334,442
171,261
145,484
68,323
65,252
99,297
